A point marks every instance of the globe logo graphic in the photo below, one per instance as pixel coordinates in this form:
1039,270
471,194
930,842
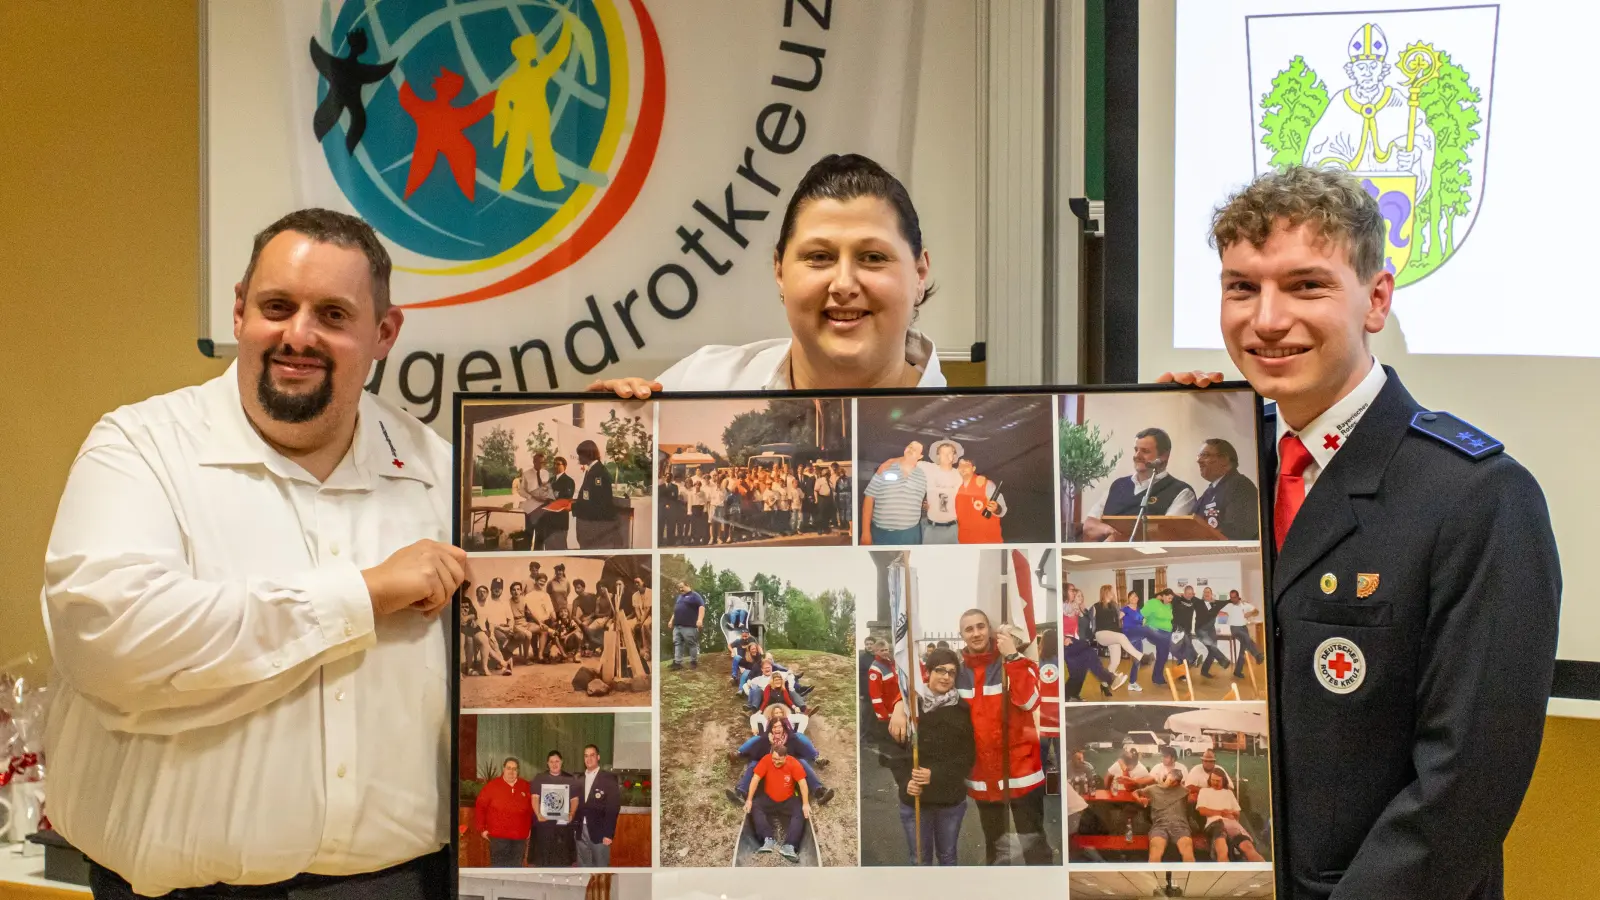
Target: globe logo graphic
479,134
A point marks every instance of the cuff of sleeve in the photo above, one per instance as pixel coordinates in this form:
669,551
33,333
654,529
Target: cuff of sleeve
343,607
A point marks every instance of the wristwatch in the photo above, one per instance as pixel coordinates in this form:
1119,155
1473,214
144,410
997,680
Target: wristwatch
1013,657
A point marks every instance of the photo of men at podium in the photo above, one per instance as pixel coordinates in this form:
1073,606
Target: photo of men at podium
1158,467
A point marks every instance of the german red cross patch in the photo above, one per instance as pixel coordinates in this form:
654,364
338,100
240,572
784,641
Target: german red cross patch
1340,665
1048,673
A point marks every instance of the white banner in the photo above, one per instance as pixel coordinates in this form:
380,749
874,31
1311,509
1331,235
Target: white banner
571,186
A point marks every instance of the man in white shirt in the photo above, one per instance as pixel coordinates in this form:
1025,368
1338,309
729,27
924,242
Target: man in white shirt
1127,772
241,592
939,520
1169,763
1168,496
1200,775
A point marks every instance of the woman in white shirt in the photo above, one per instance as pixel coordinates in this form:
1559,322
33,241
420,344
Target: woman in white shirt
851,272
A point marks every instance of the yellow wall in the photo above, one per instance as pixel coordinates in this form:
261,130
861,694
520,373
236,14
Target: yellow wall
99,236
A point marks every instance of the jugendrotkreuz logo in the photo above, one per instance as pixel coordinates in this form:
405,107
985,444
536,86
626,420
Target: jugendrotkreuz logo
476,133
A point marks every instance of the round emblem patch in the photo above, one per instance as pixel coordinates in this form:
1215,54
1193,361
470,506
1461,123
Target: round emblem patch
1340,665
1329,583
1048,673
1212,521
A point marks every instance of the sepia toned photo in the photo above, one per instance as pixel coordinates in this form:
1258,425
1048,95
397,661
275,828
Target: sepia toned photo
542,631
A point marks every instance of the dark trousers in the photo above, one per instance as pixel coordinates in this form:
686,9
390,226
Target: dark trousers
1082,660
1161,640
424,878
1247,644
554,846
1027,814
1214,653
507,853
765,809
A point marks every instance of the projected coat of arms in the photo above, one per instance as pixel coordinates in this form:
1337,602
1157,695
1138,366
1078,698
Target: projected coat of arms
1399,99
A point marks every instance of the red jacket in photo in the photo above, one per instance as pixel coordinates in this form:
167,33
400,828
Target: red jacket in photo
883,688
1013,756
504,810
1049,699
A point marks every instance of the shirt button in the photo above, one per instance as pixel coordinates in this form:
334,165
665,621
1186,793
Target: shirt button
341,771
277,664
334,549
339,696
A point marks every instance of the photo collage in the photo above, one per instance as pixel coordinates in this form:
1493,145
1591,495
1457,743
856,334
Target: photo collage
717,633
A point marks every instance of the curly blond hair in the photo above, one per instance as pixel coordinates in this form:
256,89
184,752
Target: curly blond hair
1334,203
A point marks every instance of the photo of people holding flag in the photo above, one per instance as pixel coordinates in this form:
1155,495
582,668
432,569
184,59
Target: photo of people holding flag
960,707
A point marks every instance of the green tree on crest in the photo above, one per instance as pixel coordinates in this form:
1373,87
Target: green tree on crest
1293,106
1450,103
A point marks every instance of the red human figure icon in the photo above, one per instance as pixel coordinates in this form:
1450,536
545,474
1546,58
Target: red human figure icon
440,128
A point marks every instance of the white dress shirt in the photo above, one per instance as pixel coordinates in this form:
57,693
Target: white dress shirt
226,707
764,366
1325,435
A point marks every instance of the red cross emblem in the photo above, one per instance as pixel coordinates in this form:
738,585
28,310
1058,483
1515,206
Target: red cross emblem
1330,442
398,464
1340,666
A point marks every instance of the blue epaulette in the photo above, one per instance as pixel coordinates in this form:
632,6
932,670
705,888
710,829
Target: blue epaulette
1466,438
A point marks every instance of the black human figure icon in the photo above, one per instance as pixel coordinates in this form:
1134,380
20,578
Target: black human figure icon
346,77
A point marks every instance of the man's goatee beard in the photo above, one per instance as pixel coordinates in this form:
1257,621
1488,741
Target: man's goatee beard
294,408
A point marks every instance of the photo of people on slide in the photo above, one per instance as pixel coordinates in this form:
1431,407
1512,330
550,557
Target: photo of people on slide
754,473
960,705
758,725
1159,466
555,790
556,476
1167,783
955,470
544,631
1191,616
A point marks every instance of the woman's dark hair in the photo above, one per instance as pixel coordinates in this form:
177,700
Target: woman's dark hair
588,453
942,656
847,176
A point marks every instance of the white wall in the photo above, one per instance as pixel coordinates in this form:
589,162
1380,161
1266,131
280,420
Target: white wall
1535,405
1188,419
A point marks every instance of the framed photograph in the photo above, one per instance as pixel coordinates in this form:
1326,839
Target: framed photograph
849,634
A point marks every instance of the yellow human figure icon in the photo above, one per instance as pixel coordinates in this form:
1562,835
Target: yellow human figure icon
522,111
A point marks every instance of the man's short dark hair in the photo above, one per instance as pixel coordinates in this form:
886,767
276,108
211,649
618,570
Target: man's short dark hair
553,754
1224,450
1163,441
326,226
1170,750
594,747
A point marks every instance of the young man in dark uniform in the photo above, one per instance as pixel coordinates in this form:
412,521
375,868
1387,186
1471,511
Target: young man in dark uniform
1410,548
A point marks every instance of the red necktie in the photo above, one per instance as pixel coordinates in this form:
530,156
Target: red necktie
1293,458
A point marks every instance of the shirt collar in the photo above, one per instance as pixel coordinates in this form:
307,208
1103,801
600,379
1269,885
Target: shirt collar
1327,433
920,352
231,440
